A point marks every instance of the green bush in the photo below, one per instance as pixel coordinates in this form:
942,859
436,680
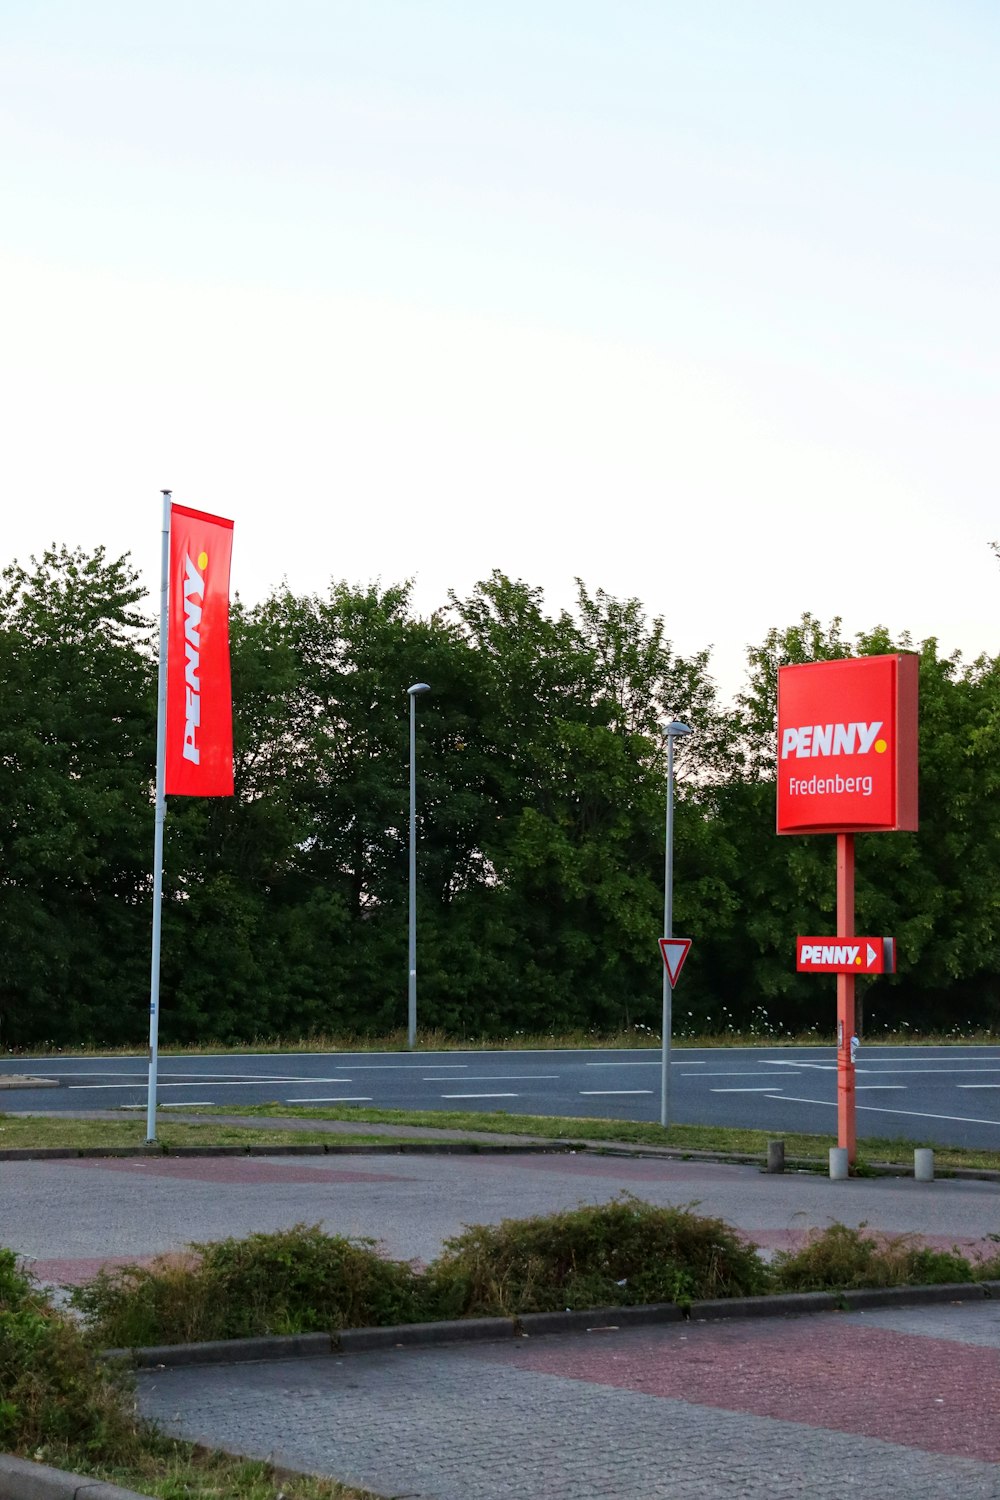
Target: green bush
839,1258
52,1392
298,1280
619,1254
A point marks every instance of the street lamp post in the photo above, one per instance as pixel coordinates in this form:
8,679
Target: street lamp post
673,731
411,1015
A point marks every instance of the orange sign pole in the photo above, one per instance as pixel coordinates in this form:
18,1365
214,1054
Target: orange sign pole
846,1119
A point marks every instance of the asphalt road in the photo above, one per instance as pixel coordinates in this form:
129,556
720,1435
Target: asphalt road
939,1095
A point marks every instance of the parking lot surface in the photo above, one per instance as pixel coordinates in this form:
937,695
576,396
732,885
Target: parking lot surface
900,1403
68,1216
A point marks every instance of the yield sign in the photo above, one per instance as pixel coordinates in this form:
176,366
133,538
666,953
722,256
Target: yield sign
675,951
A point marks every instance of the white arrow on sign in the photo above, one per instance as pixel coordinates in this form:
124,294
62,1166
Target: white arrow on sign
675,951
872,955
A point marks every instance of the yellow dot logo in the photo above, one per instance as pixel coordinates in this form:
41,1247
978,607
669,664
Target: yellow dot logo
203,564
857,960
880,745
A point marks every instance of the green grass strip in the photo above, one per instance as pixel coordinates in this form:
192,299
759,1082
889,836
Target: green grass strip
54,1131
64,1131
173,1470
473,1126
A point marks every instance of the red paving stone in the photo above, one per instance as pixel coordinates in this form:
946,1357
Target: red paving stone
245,1171
792,1239
933,1394
70,1272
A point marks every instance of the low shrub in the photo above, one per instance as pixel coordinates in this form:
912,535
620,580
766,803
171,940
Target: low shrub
839,1258
298,1280
53,1394
617,1254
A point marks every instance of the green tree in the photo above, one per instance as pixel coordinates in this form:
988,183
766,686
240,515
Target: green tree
76,759
932,890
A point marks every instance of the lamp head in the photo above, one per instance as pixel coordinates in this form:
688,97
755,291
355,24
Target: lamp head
676,729
418,687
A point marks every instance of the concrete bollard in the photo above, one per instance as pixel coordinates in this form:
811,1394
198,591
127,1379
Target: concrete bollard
923,1164
838,1164
775,1156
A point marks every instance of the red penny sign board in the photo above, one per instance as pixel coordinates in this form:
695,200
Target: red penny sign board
847,745
675,951
845,955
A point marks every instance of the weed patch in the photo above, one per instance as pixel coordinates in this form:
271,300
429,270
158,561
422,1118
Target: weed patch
619,1254
298,1280
625,1253
839,1258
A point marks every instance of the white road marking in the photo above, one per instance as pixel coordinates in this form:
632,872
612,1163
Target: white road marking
741,1073
227,1078
600,1093
977,1085
653,1064
334,1099
215,1083
881,1087
185,1104
786,1062
745,1091
493,1077
908,1072
101,1072
479,1096
878,1109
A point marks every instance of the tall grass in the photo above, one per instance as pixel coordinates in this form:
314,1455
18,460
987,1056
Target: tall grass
716,1029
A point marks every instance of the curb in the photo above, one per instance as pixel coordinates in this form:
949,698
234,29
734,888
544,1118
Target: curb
321,1148
527,1325
22,1480
475,1148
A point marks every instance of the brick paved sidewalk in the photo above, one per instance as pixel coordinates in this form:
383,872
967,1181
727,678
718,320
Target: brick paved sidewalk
902,1403
69,1216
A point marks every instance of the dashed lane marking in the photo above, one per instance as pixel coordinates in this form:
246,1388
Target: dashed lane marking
602,1093
480,1096
741,1073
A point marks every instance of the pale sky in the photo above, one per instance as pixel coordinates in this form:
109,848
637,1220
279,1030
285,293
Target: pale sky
696,300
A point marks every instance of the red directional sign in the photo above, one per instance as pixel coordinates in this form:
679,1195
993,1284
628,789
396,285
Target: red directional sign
845,955
675,951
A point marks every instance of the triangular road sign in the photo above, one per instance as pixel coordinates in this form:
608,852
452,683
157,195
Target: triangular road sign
872,954
675,951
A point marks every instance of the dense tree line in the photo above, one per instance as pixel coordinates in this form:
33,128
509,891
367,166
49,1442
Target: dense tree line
541,773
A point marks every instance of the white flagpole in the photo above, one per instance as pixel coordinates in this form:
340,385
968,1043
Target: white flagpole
161,808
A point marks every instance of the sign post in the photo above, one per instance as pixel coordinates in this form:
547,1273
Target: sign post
846,1111
194,706
673,731
847,764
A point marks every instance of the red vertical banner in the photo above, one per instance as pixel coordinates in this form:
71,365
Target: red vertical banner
199,760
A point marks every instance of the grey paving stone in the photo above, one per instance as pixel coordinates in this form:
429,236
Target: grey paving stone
460,1425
